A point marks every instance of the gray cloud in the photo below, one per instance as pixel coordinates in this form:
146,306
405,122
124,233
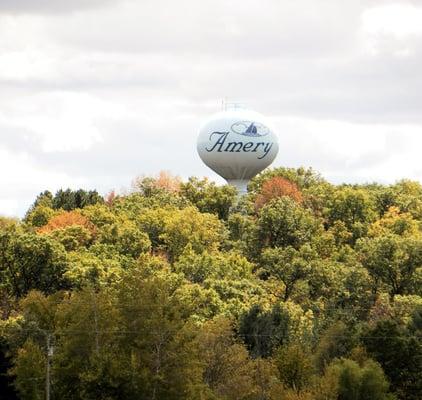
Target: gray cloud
95,97
254,30
294,58
18,140
50,6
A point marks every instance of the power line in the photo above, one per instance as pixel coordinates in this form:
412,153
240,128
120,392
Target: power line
234,335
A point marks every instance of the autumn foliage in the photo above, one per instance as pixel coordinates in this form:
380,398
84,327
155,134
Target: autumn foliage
168,182
277,187
164,181
66,219
110,197
315,294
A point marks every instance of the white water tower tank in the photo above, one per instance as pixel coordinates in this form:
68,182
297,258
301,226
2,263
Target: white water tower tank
237,144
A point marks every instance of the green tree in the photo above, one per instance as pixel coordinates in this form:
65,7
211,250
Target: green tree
283,222
158,337
400,354
101,266
354,295
41,210
263,331
29,369
29,261
71,199
288,265
100,215
295,366
354,207
228,372
337,341
392,260
26,337
73,237
87,361
208,197
189,227
126,237
408,195
366,382
213,265
39,216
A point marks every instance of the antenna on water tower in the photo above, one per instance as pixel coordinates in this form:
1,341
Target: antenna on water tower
237,144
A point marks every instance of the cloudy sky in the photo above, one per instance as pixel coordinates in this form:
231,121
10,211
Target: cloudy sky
96,92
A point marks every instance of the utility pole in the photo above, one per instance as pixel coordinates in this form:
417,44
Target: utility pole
48,369
97,341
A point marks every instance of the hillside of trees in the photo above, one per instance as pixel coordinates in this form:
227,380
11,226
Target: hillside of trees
301,290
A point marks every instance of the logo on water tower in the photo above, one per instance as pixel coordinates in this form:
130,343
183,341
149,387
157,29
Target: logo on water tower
249,128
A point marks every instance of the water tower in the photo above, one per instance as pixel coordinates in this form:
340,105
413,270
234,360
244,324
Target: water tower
237,144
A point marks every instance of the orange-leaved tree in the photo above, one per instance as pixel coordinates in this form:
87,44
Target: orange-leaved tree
67,219
163,181
277,187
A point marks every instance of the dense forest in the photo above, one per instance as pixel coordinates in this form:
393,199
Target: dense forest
300,290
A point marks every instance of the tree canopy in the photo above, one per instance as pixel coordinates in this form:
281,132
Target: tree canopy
300,290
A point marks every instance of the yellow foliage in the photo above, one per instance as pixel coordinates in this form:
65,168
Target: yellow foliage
394,221
404,306
202,231
301,322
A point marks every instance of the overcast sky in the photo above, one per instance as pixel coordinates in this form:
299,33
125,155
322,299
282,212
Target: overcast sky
96,92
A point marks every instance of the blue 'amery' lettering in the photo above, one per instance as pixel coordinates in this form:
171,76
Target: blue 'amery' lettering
220,145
